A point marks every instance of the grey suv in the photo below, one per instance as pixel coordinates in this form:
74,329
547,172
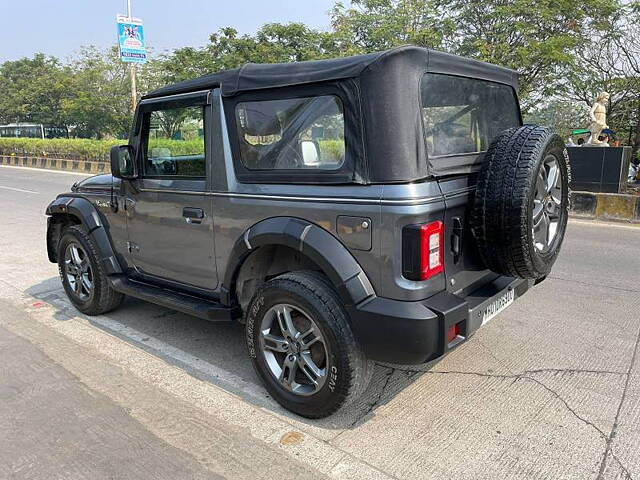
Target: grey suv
372,208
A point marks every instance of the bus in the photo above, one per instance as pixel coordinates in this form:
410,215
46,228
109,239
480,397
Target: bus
33,130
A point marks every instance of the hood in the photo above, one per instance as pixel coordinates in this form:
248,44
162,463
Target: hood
97,182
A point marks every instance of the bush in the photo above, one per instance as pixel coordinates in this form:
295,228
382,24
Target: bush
193,146
85,149
331,150
74,149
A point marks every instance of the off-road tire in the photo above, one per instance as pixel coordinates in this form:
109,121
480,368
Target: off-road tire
104,298
501,219
350,370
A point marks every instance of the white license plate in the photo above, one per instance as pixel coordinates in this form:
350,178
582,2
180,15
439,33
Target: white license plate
495,307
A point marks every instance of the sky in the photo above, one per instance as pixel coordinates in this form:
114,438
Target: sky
60,27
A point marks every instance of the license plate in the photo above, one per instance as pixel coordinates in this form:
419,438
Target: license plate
495,307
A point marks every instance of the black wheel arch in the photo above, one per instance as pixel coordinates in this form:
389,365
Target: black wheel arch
78,210
314,242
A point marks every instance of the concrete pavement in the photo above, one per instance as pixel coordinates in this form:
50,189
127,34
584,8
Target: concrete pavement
548,389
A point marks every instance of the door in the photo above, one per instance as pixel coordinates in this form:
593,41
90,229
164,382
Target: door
461,117
169,211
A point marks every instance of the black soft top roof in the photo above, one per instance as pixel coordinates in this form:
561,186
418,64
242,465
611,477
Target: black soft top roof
386,140
254,76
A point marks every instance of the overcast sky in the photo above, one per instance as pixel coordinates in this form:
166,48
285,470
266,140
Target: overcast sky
60,27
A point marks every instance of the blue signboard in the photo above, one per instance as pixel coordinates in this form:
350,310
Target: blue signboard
131,40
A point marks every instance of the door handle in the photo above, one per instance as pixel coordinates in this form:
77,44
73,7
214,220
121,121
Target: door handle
193,215
456,239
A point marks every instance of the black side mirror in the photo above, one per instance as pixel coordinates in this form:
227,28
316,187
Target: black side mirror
122,162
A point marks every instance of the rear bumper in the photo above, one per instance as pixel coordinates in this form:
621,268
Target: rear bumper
416,332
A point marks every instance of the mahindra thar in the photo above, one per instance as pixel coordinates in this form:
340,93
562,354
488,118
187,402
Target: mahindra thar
381,207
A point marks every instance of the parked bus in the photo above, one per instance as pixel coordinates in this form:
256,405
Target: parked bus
33,130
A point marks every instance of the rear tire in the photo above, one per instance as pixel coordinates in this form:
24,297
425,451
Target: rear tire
312,381
522,201
82,275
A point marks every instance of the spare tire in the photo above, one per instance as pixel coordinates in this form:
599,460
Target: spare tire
521,207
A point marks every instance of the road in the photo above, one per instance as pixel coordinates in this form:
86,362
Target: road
548,389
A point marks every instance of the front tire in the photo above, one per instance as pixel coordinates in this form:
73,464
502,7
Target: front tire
83,278
302,347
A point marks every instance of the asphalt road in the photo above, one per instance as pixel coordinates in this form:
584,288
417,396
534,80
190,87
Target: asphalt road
548,389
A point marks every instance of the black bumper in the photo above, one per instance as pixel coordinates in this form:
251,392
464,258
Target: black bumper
416,332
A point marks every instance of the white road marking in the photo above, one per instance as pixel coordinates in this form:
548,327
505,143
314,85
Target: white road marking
18,189
601,224
34,169
168,351
191,361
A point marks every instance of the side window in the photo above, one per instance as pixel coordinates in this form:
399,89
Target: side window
463,115
292,134
175,143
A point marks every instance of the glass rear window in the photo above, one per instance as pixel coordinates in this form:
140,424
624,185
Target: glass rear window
463,115
292,134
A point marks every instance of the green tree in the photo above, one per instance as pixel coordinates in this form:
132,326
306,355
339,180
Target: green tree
99,100
609,62
373,25
33,90
272,43
535,38
561,115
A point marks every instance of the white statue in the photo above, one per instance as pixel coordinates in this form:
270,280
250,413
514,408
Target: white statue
598,116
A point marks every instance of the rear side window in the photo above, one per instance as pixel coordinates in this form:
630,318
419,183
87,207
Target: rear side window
463,115
292,134
175,143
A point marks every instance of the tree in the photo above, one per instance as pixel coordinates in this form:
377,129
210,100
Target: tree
33,90
272,43
533,37
374,25
609,62
561,115
561,49
99,100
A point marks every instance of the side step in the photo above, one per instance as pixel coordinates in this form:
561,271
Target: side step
198,307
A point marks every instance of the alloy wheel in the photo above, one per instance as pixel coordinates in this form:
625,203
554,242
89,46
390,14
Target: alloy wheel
78,271
547,204
294,349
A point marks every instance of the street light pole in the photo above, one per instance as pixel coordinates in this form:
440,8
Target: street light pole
132,69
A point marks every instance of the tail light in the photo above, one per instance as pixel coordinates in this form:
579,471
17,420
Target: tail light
422,250
454,331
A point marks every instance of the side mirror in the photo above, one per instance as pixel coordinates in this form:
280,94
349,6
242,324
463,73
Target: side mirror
310,153
122,163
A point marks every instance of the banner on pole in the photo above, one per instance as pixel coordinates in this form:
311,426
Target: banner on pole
131,40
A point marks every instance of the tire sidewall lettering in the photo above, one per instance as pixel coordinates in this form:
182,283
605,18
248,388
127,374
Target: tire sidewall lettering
333,377
251,321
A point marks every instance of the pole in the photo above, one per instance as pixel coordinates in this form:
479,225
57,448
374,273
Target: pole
134,93
132,70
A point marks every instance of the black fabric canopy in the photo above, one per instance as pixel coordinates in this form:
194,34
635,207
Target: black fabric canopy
256,76
382,89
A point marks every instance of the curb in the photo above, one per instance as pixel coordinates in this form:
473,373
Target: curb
81,166
605,206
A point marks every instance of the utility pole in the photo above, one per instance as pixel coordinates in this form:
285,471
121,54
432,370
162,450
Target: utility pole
132,69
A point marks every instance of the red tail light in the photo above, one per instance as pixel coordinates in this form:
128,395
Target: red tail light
422,250
453,332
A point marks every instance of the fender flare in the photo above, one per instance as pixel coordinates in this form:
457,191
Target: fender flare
316,243
91,219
